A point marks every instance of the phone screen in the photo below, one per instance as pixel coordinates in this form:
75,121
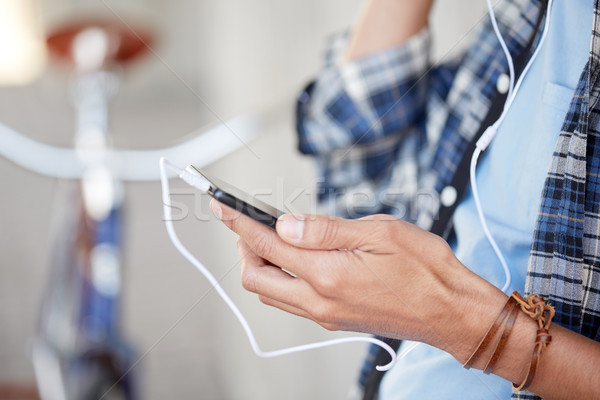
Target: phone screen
240,200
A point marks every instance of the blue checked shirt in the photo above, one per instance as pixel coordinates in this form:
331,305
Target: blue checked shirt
387,132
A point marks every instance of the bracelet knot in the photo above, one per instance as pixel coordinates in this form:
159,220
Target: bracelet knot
542,313
536,308
543,338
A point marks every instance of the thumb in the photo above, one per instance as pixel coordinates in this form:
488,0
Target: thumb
321,232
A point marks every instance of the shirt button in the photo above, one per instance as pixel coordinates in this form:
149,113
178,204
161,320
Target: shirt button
448,196
503,83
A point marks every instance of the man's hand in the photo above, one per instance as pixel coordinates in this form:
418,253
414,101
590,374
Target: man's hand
384,276
377,275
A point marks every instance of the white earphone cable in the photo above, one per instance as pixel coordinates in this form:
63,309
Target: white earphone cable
219,289
511,66
491,131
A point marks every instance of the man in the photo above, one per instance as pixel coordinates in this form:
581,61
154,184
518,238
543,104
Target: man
383,123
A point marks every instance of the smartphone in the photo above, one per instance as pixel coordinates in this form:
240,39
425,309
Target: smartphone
239,200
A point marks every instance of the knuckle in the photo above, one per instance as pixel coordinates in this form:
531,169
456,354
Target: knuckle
330,232
330,327
380,218
240,244
386,227
324,314
441,247
231,223
327,284
262,244
249,281
265,300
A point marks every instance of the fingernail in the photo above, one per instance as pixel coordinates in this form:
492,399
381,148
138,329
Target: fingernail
216,209
291,226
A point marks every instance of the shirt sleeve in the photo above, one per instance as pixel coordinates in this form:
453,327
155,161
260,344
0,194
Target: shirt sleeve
360,119
363,100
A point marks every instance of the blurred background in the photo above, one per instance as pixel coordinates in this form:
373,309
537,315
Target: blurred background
210,60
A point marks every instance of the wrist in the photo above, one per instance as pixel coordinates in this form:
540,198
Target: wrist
513,358
474,312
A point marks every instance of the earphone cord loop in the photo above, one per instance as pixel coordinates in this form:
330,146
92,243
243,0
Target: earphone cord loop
219,289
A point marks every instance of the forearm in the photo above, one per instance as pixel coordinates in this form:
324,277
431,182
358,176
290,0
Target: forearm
386,23
569,367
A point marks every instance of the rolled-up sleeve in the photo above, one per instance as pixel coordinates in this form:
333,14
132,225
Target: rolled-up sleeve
361,101
364,122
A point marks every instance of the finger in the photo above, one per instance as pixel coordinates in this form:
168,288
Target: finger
264,242
285,307
247,256
326,232
247,259
272,284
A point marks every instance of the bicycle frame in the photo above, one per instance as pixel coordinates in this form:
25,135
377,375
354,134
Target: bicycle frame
79,351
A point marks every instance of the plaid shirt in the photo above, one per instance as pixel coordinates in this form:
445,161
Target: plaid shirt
388,130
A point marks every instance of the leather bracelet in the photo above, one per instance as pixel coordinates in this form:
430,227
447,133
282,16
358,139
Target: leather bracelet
541,312
510,322
491,332
537,309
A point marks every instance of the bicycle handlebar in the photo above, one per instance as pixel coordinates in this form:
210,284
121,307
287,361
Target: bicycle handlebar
129,165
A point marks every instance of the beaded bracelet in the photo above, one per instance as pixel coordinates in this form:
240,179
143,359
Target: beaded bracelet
500,329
